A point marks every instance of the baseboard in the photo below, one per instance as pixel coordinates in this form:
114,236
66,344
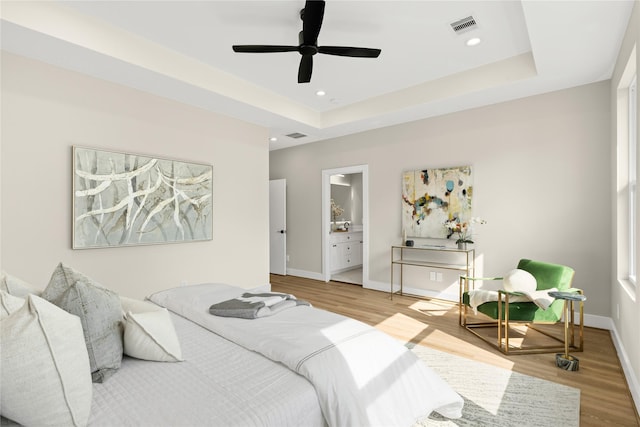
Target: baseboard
306,274
384,287
376,286
627,368
600,322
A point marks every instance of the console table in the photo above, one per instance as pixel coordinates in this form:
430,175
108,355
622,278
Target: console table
398,254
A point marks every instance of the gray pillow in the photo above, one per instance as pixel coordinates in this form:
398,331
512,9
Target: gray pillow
100,313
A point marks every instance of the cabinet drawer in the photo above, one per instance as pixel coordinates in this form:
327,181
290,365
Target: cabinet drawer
345,237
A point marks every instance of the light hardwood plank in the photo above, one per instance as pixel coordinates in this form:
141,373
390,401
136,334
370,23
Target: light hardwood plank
605,396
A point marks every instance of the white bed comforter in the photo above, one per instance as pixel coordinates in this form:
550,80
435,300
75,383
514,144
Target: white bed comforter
219,384
361,375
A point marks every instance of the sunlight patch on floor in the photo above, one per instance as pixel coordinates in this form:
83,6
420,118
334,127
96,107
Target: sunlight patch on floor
464,350
433,307
405,323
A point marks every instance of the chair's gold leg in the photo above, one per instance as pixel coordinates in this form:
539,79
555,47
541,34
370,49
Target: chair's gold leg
460,302
391,293
581,323
506,323
462,310
571,312
567,306
500,321
572,324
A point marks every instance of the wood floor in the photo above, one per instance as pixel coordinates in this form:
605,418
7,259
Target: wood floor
605,396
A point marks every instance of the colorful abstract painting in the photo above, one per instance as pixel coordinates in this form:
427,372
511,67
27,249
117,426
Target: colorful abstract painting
126,199
430,197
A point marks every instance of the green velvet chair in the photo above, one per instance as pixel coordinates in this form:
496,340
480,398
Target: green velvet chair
504,312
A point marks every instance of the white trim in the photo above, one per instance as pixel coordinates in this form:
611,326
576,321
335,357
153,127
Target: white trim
384,287
627,368
599,322
305,274
326,218
632,179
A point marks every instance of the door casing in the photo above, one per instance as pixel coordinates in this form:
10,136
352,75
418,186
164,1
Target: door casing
326,218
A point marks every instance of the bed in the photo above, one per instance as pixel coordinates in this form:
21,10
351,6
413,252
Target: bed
217,384
300,367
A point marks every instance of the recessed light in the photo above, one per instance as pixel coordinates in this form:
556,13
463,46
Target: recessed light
321,93
473,41
273,139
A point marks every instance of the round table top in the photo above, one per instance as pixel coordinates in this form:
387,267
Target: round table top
571,296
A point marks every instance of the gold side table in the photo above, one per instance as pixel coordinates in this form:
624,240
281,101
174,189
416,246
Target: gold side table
565,360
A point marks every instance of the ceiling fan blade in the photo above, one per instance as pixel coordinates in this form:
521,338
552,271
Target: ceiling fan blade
312,15
257,48
305,69
312,21
359,52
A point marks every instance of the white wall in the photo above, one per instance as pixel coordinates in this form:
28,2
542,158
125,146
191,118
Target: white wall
542,181
625,300
46,110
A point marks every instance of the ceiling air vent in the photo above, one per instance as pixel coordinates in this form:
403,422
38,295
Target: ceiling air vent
464,24
296,135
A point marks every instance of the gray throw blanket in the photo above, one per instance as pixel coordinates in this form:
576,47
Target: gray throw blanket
253,306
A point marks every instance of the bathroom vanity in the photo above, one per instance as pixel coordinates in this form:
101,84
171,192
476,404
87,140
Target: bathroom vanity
346,250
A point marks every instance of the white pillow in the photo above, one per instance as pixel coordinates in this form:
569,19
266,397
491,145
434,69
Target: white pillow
136,305
17,287
9,304
45,377
519,281
151,336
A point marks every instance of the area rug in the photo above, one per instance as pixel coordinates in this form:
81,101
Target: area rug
498,397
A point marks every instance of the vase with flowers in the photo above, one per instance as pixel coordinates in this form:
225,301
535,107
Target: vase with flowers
336,212
463,230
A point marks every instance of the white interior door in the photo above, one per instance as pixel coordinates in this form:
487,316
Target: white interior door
278,226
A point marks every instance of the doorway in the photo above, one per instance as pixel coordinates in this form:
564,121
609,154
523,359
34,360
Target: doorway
350,194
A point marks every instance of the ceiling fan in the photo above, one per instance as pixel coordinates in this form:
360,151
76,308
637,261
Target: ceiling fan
311,16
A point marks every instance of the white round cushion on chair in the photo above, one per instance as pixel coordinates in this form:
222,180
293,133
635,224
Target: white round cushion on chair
519,281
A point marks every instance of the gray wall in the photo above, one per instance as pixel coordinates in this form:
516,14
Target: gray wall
46,110
542,181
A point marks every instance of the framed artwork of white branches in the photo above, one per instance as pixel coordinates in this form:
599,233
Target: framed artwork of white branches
122,199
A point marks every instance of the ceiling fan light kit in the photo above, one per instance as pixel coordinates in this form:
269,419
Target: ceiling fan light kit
312,16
